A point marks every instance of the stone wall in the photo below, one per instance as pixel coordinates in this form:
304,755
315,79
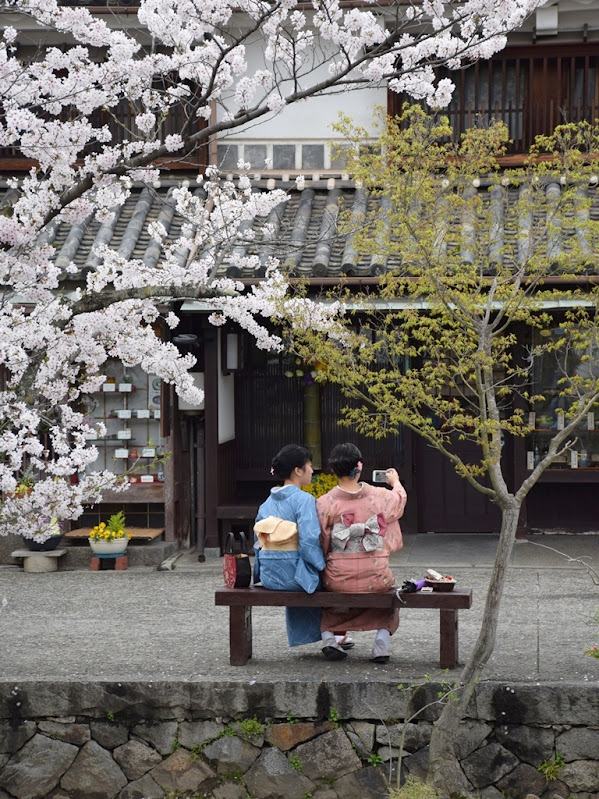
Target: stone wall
131,740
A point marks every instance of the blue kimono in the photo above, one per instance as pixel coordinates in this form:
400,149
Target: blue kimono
290,570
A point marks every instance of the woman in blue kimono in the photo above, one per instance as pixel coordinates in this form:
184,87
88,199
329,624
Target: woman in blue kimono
289,560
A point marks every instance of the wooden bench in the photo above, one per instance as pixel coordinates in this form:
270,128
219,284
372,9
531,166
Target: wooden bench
240,602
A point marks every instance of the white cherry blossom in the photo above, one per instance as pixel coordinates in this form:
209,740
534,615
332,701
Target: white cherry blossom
56,338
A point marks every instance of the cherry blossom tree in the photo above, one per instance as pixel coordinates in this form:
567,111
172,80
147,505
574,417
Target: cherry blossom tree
189,54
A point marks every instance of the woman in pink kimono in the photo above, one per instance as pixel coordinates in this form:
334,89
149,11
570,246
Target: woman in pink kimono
359,530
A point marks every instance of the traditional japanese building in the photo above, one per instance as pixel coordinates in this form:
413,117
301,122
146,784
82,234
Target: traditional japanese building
218,471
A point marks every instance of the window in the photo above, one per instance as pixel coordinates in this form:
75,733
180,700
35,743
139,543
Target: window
530,89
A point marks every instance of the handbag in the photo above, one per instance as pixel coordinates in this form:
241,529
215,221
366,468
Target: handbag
237,570
275,533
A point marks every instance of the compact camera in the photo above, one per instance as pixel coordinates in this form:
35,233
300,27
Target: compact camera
379,476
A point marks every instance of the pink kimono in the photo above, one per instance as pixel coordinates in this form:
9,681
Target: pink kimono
358,533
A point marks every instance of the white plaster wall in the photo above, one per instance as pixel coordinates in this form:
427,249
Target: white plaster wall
312,118
226,402
226,408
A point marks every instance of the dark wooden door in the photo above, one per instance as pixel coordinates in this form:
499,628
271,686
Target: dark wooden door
448,503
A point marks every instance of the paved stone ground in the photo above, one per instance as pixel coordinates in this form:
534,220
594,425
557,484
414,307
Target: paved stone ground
144,624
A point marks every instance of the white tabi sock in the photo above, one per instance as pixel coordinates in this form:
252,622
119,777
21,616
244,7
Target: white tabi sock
329,639
381,643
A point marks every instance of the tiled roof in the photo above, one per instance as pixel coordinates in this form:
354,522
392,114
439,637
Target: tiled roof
305,234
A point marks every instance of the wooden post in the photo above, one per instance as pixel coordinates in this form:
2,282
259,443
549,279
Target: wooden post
211,487
312,433
240,635
448,629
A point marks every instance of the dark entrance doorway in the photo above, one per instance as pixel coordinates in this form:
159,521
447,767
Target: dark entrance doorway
448,503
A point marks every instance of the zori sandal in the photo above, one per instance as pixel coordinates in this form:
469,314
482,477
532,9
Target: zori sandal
333,653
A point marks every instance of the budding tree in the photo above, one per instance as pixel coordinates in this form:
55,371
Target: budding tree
192,55
490,292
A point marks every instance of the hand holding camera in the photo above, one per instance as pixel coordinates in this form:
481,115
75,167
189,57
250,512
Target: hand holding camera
388,476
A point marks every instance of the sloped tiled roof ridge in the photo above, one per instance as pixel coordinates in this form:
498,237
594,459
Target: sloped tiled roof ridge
304,232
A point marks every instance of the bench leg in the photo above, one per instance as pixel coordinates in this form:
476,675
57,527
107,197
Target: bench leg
240,635
448,656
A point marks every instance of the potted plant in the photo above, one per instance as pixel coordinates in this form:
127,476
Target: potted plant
24,486
110,538
56,530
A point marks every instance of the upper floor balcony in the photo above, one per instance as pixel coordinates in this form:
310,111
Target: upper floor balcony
531,89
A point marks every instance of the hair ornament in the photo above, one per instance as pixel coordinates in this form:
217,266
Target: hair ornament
272,469
356,470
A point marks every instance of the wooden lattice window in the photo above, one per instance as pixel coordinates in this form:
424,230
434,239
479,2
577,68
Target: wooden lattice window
531,89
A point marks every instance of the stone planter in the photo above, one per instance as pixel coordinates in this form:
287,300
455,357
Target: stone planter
116,547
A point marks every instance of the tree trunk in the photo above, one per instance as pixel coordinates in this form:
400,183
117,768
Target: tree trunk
444,771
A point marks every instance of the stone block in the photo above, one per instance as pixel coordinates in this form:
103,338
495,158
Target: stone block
273,777
243,730
358,745
93,774
367,783
556,790
416,735
230,790
231,754
528,703
41,563
324,793
367,733
578,744
416,765
194,733
37,768
210,699
389,753
524,779
582,775
161,736
491,793
530,744
329,756
308,698
144,788
132,701
77,734
136,759
286,736
469,736
13,734
488,765
182,772
109,734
